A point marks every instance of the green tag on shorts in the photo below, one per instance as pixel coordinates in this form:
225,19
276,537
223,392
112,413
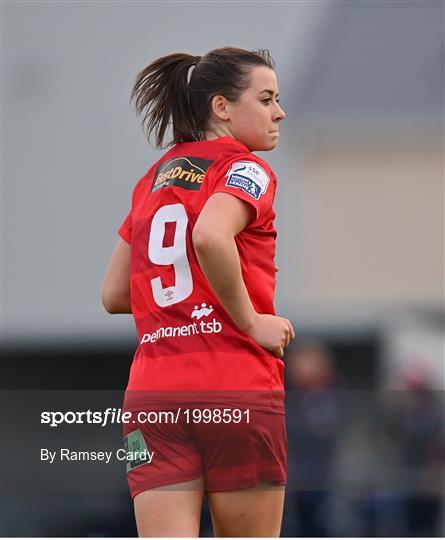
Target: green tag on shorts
136,450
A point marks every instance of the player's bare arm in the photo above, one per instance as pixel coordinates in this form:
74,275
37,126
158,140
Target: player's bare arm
221,219
116,286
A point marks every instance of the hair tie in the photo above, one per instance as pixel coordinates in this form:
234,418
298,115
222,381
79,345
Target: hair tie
196,59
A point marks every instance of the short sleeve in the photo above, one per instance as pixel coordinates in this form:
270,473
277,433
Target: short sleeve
247,179
125,230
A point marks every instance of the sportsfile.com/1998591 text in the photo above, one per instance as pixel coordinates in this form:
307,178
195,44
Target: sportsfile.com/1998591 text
112,415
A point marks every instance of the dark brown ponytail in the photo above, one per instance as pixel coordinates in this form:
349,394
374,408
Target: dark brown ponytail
162,91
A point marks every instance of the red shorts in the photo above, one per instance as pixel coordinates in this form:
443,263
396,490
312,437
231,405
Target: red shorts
229,448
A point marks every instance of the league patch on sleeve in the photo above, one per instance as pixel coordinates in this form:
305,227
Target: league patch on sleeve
248,176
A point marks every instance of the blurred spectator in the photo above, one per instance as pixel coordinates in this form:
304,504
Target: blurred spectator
414,422
313,420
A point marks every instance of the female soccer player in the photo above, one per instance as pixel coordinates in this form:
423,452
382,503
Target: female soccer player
195,266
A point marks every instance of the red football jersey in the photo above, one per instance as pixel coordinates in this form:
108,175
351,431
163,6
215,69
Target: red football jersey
188,344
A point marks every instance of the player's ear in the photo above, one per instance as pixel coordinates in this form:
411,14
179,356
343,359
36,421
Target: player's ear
220,107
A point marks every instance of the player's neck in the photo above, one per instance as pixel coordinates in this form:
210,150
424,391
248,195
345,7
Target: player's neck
217,133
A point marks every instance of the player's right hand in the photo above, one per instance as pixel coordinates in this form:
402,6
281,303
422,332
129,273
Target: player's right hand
272,333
